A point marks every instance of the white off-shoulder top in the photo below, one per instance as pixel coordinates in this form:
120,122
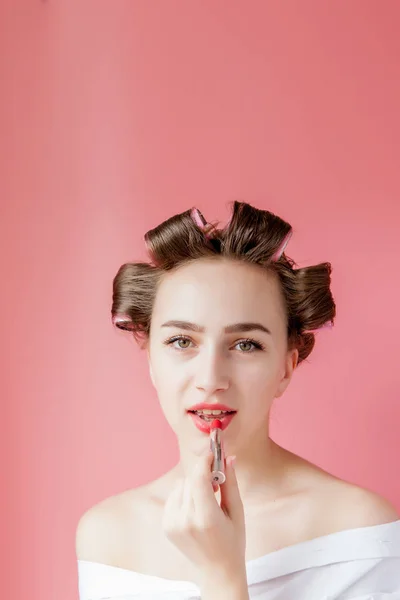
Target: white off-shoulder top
355,564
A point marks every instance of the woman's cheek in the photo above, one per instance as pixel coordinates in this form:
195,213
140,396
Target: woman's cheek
259,392
170,407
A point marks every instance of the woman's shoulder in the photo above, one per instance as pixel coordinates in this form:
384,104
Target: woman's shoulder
101,531
342,504
360,507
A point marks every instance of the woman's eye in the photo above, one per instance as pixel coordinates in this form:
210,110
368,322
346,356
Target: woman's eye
246,346
183,343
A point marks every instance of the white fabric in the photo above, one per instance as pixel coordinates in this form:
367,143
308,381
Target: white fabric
355,564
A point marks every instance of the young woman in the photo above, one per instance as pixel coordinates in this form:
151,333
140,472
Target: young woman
225,319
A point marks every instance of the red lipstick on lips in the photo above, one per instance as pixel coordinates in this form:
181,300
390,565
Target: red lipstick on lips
205,426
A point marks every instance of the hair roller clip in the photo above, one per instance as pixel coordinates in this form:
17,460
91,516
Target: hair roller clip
198,218
123,322
327,325
278,253
200,221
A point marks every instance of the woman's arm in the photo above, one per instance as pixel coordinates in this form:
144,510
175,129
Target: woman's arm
232,586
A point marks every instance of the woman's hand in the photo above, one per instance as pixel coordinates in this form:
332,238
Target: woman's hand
211,536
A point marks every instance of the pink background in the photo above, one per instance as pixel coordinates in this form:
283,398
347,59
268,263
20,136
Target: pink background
116,115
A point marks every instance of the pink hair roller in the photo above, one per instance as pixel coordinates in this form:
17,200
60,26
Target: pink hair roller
124,320
200,221
277,255
327,325
198,218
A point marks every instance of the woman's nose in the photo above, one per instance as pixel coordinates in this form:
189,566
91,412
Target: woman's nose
211,375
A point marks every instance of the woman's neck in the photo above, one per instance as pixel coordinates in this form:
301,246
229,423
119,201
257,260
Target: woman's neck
261,467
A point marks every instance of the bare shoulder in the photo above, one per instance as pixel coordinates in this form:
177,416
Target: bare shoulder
345,505
116,531
102,530
360,507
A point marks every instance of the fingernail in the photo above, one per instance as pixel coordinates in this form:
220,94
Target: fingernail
232,461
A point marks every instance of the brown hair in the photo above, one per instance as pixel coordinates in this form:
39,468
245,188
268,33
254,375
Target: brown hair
252,235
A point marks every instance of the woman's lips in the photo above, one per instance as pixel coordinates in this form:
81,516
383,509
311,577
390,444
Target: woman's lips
205,426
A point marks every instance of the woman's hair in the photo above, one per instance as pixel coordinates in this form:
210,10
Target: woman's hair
252,236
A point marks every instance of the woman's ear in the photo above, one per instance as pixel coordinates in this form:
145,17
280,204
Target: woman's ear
145,345
292,358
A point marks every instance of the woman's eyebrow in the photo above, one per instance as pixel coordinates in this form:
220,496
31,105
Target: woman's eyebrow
236,328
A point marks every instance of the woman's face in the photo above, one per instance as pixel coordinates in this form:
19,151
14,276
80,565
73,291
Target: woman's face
199,352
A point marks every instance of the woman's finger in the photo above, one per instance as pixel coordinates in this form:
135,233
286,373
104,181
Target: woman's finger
231,500
203,492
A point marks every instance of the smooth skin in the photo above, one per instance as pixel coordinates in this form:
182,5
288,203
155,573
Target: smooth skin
286,500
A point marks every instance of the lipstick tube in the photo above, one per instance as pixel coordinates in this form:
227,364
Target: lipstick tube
218,465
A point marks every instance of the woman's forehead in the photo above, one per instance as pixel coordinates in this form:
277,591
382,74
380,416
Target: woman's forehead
219,293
